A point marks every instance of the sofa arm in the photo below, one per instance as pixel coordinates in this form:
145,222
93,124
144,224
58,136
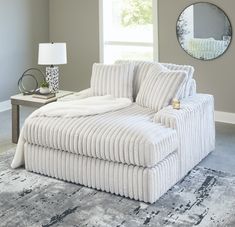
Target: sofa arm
194,124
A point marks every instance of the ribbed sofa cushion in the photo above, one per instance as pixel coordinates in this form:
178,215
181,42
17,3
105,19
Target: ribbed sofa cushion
193,88
144,184
142,68
128,136
189,70
160,87
115,80
140,72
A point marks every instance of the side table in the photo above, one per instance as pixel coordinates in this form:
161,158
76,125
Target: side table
28,100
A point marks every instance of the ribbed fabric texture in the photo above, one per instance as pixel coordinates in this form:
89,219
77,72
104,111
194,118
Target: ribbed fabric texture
140,72
160,87
193,123
193,88
115,80
144,184
195,127
127,136
142,68
206,48
187,68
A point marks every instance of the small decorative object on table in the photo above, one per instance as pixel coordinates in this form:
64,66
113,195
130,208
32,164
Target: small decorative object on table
44,88
44,96
28,82
44,92
176,104
52,54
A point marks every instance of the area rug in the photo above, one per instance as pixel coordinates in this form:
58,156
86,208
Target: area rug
203,198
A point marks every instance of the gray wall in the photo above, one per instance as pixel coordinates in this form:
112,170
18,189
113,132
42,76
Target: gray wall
23,25
76,22
215,77
209,21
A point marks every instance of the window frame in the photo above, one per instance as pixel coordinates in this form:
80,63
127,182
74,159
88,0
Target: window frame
154,45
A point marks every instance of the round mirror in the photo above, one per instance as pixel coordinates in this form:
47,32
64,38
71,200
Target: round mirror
204,31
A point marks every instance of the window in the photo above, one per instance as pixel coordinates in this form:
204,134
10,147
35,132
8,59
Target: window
128,30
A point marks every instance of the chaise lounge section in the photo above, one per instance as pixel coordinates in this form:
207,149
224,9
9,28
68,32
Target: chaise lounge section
134,152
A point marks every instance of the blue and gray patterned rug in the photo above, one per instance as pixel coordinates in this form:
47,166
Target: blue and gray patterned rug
204,198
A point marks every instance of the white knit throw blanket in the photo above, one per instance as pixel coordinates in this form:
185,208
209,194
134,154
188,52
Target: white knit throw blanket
70,109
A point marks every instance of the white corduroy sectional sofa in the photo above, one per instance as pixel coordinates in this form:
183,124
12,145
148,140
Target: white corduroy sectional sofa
138,152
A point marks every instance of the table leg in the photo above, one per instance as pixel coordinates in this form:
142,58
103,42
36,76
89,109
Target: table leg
15,123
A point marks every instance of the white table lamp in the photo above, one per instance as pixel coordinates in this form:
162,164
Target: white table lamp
52,54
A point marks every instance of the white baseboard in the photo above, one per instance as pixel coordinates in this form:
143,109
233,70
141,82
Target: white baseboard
225,117
4,106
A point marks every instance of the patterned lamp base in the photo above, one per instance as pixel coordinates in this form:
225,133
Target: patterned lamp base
52,77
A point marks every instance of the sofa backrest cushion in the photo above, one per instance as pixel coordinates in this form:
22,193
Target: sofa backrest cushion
190,71
115,80
140,72
193,88
142,68
160,87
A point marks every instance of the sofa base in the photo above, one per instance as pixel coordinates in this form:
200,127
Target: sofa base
139,183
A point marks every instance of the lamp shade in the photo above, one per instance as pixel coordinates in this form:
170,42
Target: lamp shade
52,54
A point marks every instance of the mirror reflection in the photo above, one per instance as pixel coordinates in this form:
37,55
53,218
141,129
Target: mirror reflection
204,31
